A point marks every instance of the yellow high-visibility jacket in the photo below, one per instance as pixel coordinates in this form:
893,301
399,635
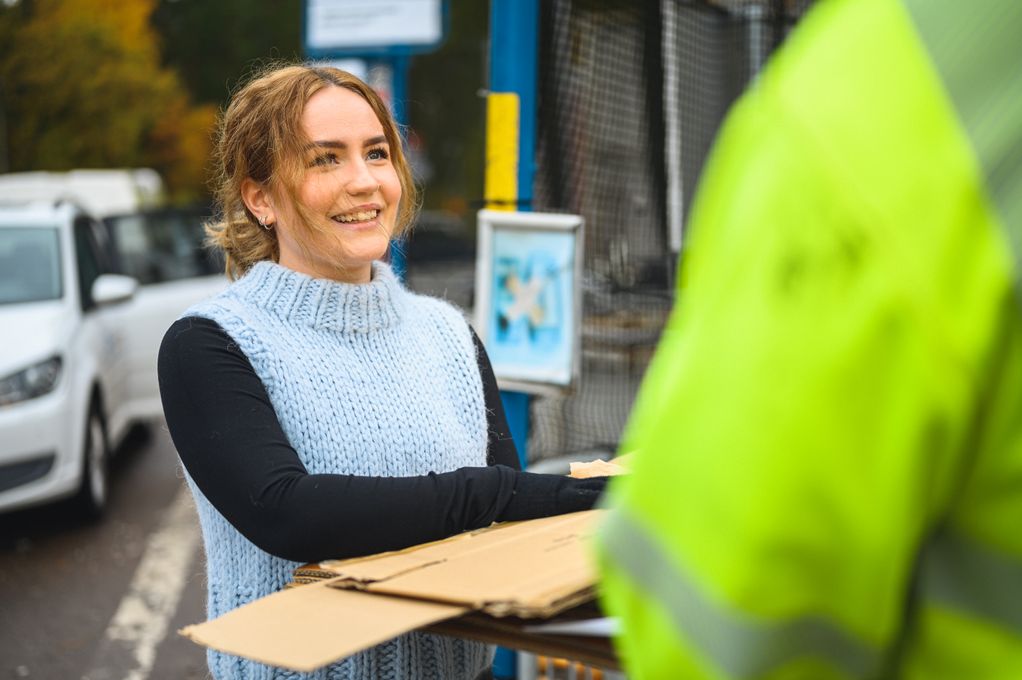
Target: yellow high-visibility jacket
828,478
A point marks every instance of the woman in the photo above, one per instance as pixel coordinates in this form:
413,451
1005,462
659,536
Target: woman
320,409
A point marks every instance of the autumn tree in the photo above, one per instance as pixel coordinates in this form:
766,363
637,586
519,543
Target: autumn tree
83,86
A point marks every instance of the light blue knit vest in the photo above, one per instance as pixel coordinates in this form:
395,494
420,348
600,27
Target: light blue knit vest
366,380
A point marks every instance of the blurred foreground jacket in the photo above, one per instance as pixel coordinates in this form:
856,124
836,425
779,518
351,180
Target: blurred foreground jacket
828,480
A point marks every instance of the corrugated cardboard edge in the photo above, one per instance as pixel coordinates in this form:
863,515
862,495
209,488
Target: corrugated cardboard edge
334,565
502,608
530,569
306,628
361,572
358,572
532,601
374,571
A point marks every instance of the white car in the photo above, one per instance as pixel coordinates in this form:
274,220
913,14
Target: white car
78,352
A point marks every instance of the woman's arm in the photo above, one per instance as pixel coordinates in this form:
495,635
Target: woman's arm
233,447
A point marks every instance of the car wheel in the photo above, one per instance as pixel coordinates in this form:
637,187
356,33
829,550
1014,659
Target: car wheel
93,490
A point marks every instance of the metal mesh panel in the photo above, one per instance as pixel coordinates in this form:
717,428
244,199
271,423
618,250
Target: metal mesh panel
599,130
630,98
713,50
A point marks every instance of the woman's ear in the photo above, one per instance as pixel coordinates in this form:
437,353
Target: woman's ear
258,200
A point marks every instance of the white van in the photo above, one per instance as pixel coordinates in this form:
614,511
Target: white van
78,348
62,401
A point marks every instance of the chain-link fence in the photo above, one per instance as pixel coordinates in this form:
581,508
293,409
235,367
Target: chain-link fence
631,95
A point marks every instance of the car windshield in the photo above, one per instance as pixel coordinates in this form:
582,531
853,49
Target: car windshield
29,265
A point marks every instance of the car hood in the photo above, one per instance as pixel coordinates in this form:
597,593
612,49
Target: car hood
32,332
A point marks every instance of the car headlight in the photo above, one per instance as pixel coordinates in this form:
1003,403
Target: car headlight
34,381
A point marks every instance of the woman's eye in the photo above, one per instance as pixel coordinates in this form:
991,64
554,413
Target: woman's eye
379,154
325,159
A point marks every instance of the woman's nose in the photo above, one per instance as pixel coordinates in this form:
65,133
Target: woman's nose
362,181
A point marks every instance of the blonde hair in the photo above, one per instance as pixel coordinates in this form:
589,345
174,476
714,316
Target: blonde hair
259,136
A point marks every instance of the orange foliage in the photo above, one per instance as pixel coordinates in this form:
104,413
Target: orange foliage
180,143
84,87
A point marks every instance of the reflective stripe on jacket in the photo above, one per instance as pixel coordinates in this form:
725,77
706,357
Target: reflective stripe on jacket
829,473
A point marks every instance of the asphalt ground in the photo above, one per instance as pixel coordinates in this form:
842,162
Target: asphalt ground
97,599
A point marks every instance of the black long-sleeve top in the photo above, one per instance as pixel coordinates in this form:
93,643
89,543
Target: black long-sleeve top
235,450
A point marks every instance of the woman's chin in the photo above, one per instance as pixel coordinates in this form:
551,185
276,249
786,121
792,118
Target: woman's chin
363,258
364,249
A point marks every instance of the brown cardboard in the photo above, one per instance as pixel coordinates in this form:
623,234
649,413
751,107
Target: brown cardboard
309,627
595,468
527,569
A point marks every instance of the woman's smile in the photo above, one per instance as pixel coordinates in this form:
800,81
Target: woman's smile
362,217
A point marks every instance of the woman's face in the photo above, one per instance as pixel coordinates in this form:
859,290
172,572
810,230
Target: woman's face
350,190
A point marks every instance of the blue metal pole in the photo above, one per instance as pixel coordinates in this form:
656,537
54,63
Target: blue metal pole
399,107
514,44
516,408
514,41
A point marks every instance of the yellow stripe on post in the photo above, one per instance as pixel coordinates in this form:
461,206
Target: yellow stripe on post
501,182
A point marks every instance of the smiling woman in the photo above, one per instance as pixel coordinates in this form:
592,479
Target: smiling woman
303,149
340,217
321,410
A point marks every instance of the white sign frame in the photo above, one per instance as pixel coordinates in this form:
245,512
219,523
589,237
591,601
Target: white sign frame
528,298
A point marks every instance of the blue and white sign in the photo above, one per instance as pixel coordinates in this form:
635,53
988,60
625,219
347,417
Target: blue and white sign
372,27
528,299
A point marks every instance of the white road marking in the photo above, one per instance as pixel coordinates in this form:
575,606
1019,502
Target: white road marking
140,622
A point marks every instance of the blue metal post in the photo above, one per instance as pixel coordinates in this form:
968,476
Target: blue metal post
399,107
514,40
516,408
514,44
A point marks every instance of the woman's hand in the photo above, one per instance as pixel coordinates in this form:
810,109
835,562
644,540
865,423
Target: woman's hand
541,495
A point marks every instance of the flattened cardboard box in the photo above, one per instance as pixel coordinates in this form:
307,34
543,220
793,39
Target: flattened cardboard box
532,569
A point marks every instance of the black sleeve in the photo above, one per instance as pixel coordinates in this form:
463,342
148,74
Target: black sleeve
500,447
232,445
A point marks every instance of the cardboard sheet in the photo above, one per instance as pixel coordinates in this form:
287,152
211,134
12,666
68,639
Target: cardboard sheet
528,570
601,468
309,627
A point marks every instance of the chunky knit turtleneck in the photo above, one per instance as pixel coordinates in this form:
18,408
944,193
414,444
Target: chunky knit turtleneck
323,304
367,380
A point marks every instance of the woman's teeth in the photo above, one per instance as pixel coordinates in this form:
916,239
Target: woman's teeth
360,216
